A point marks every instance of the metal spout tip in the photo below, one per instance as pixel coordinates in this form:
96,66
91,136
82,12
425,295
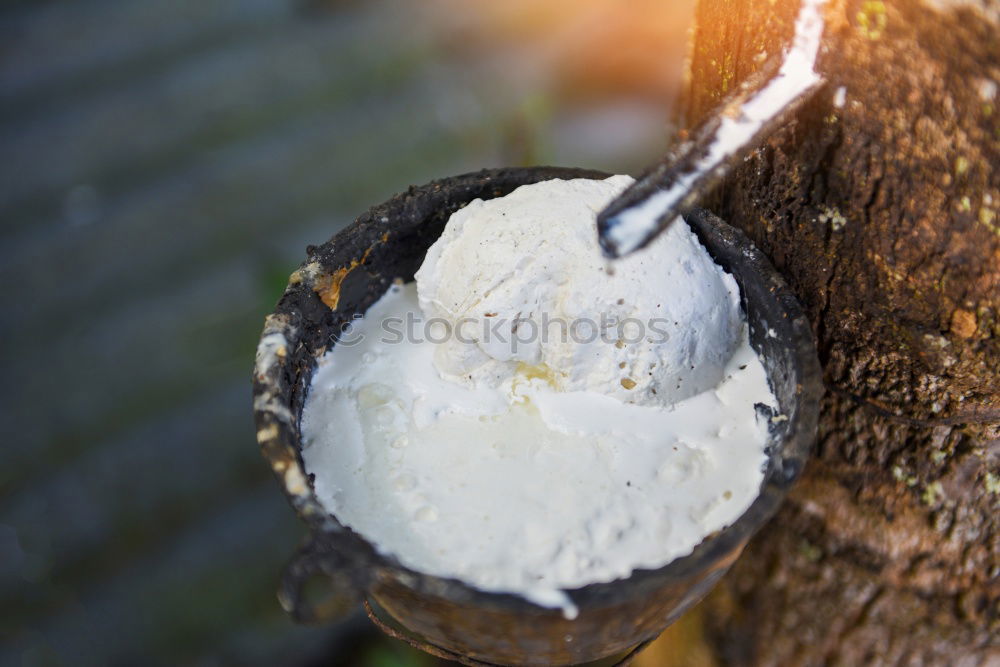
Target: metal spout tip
609,248
740,123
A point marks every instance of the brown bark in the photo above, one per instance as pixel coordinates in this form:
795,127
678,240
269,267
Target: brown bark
884,216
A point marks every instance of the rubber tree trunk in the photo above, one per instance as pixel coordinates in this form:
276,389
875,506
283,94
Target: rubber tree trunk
880,203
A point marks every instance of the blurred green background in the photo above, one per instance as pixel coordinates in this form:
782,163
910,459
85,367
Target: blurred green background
164,164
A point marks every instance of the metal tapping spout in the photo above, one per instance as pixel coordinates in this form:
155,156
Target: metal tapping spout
738,125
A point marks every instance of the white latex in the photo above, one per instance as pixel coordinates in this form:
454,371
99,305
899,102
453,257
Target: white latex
531,259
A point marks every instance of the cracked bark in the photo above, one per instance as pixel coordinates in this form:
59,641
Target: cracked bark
882,213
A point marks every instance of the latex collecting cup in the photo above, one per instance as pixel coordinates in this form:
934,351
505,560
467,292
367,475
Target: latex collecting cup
341,279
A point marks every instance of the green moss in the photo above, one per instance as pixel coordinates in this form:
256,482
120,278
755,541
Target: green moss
834,217
810,551
992,484
901,476
932,494
987,218
872,19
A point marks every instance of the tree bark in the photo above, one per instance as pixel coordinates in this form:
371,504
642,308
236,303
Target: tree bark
880,203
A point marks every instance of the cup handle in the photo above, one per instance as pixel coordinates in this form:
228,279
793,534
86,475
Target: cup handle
317,557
